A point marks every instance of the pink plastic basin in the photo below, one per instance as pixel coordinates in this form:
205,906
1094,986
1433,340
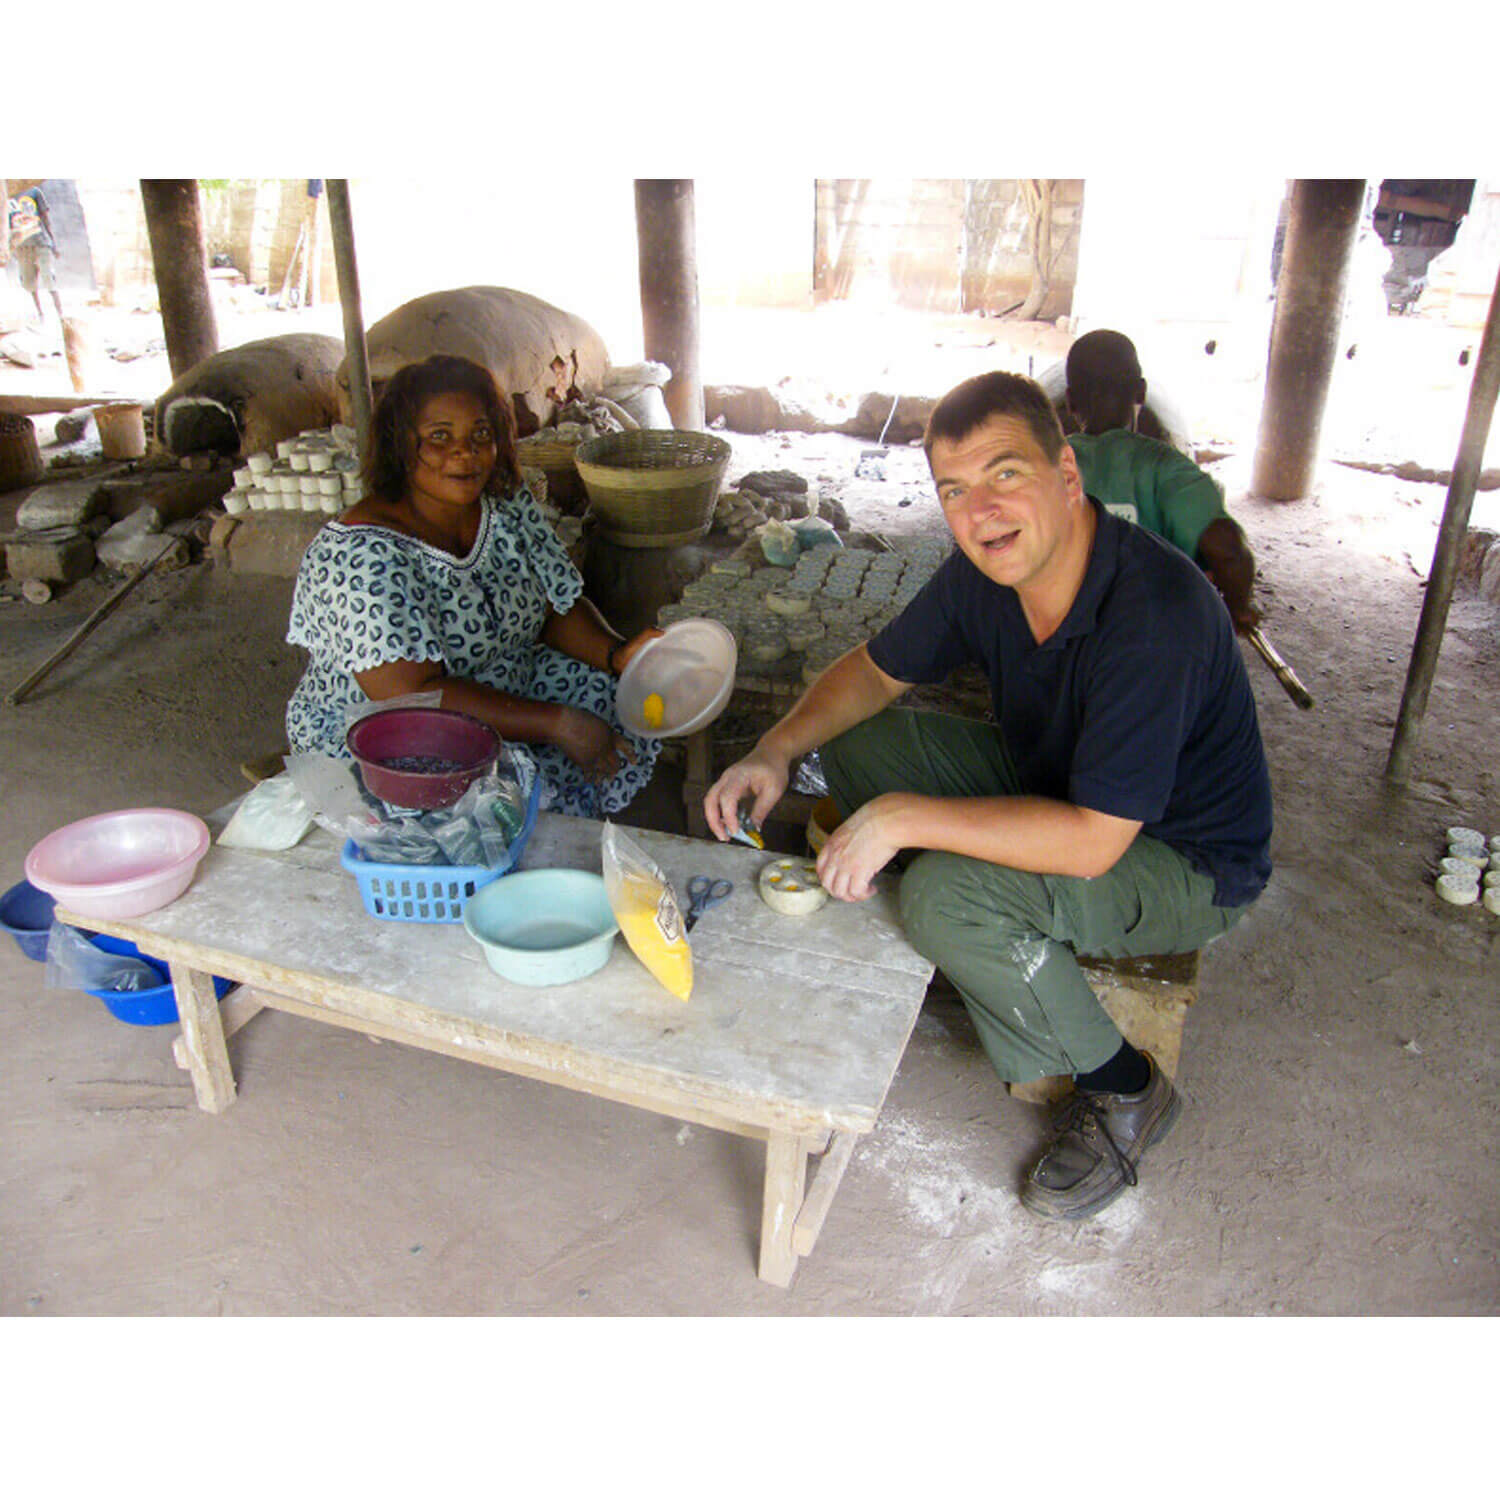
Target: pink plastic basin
468,747
120,864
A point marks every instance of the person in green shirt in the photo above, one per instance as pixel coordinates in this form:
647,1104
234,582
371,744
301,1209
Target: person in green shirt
1147,481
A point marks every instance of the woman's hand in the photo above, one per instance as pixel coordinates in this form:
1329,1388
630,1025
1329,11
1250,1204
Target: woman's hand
590,743
857,851
621,654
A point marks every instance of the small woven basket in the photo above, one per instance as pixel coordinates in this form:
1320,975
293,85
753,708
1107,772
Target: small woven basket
555,460
655,487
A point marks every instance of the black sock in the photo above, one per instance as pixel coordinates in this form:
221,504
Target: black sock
1127,1072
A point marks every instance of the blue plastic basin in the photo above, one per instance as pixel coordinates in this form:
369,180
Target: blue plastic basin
153,1007
26,914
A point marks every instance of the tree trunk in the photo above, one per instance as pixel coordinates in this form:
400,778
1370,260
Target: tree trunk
666,235
1037,194
179,255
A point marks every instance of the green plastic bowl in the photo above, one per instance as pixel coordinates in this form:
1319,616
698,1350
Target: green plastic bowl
543,927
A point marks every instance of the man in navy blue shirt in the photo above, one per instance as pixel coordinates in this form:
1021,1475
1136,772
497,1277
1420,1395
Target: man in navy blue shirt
1118,805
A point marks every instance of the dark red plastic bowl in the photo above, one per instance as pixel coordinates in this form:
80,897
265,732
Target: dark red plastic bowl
394,733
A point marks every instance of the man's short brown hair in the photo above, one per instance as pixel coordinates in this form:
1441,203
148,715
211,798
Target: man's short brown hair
998,394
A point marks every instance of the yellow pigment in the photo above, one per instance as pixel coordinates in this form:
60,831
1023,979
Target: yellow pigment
653,711
648,916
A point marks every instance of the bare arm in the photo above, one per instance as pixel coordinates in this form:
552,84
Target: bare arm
1225,556
583,635
586,739
1023,833
852,690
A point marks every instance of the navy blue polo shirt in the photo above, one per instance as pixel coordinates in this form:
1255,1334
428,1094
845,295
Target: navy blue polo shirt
1138,706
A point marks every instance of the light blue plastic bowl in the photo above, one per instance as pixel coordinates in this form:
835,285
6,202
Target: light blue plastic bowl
542,927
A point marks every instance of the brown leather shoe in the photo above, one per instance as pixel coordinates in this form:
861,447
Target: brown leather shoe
1100,1138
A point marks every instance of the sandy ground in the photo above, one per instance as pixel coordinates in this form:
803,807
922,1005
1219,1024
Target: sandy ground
1335,1156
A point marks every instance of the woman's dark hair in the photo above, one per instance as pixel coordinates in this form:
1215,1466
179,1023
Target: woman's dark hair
393,426
1002,394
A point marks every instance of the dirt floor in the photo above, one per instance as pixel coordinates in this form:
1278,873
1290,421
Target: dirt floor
1336,1154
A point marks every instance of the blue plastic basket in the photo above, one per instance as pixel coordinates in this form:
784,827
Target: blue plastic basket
154,1007
430,893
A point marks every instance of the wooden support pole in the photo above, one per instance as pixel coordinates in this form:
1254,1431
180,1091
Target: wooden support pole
1321,230
341,221
1450,542
179,254
666,237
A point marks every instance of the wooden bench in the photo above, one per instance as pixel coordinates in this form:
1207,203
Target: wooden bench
1147,998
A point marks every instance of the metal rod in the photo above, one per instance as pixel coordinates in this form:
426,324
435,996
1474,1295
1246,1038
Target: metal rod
342,222
1450,541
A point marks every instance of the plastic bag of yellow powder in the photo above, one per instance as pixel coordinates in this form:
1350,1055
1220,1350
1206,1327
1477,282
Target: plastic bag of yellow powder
646,908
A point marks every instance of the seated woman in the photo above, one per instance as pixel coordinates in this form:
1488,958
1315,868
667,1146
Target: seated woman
446,577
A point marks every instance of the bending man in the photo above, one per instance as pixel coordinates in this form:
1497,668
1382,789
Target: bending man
1147,481
1118,805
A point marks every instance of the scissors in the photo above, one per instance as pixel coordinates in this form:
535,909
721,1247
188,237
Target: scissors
704,893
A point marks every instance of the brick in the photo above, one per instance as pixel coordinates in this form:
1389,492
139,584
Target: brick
70,503
58,556
137,550
175,494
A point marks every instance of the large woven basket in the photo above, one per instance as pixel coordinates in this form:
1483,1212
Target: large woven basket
655,487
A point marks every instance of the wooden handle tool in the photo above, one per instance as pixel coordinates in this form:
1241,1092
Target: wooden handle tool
1284,674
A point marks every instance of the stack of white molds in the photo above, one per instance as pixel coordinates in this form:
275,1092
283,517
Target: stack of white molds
1471,859
316,471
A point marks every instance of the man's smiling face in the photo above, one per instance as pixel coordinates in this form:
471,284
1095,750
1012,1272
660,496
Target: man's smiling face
1012,510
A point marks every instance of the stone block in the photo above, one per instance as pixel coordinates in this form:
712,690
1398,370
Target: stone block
137,549
175,494
272,541
60,555
70,503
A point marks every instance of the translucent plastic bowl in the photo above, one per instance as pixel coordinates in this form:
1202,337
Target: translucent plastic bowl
690,668
543,926
120,864
467,747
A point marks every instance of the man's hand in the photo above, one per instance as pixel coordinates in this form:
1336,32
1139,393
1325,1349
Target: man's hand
858,850
760,775
1236,596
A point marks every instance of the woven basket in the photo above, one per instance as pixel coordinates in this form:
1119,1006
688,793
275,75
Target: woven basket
555,460
655,487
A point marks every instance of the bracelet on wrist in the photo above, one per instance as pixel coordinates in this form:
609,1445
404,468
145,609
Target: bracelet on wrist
609,660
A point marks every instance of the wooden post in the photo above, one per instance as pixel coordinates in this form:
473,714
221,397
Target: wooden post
666,236
341,219
1450,542
179,254
1320,236
5,237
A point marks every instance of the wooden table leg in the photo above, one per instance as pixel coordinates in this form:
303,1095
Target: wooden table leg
203,1031
825,1184
786,1179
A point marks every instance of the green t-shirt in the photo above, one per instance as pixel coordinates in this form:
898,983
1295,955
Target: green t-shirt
1150,483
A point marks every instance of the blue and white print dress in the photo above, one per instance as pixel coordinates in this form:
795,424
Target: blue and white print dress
366,595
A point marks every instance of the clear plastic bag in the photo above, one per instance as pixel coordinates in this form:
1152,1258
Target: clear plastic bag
73,963
272,816
646,908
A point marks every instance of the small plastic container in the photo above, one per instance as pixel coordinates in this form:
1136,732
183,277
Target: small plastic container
330,505
317,462
260,463
299,460
236,502
26,914
313,501
330,484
